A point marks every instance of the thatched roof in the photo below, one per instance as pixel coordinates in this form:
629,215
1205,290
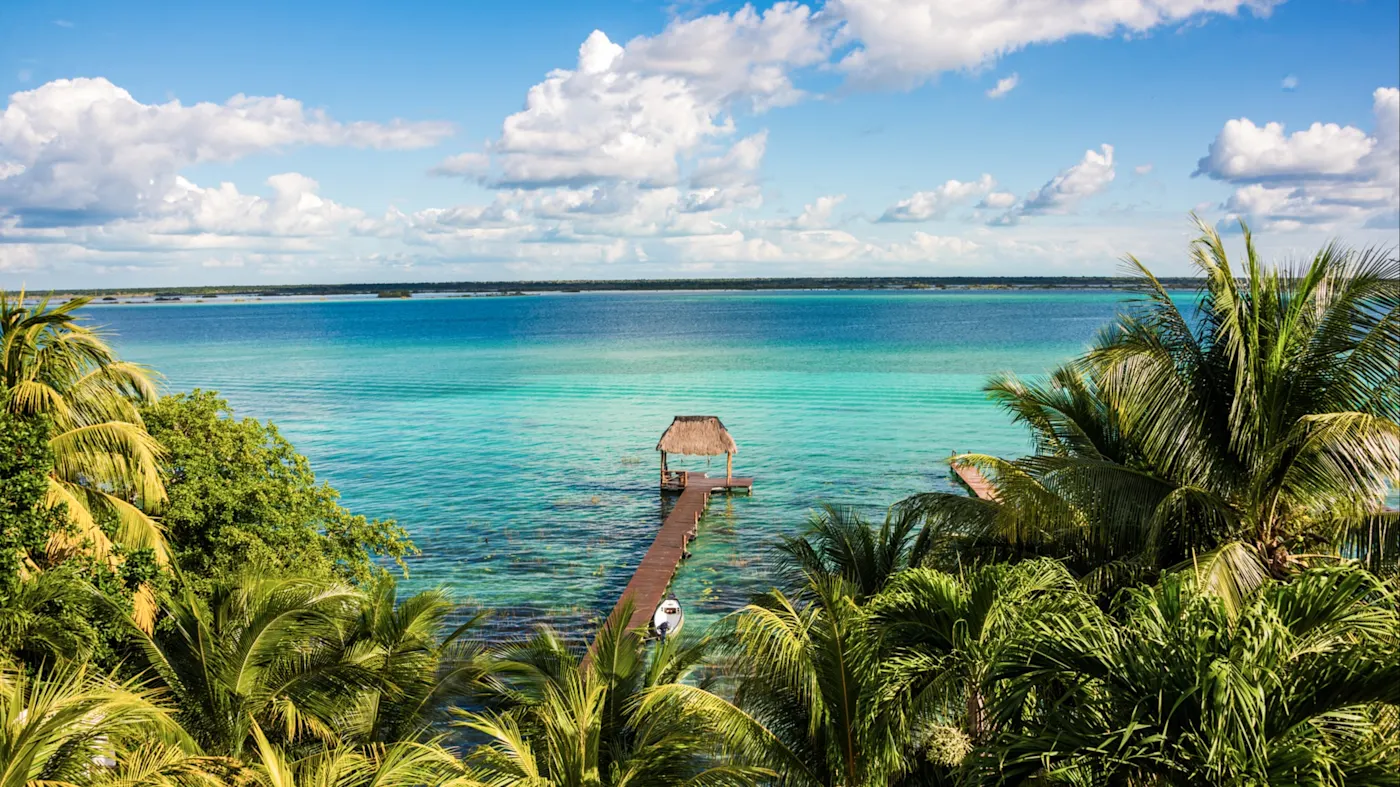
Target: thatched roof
697,435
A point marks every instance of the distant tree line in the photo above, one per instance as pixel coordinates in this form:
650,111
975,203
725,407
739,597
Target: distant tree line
603,285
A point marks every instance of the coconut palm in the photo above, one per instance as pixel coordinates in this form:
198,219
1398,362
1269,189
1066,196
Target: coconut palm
70,727
44,618
272,652
812,703
944,633
105,464
559,720
163,765
402,764
839,542
1300,686
1247,435
420,665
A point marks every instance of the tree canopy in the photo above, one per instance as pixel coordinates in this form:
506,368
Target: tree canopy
240,499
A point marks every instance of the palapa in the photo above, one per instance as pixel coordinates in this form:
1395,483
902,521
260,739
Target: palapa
697,435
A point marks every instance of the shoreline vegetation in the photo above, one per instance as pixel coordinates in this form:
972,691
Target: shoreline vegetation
1192,580
839,283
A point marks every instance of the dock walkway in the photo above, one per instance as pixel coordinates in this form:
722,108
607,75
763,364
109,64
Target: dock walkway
653,575
975,481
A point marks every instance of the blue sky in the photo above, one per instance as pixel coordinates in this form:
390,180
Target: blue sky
146,144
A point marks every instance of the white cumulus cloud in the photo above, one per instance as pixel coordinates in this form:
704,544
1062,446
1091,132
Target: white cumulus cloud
998,200
817,215
1246,152
1327,174
468,165
1063,193
89,149
635,112
737,166
903,42
1003,86
935,204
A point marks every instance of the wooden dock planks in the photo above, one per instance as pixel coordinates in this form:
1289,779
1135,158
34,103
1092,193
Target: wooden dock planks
653,576
975,481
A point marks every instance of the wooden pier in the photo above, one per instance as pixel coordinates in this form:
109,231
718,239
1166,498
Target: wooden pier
688,435
975,481
653,575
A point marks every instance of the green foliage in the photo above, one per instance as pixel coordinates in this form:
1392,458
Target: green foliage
812,703
1252,435
272,652
563,722
409,647
104,462
48,600
308,662
25,521
943,636
401,764
242,499
72,728
1300,687
840,543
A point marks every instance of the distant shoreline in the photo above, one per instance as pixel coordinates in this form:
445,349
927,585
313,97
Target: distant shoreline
407,289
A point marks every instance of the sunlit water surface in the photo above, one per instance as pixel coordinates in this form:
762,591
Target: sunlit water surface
514,436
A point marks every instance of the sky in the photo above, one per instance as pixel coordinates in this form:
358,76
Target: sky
170,144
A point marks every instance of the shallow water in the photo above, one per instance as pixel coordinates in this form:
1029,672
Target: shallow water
514,436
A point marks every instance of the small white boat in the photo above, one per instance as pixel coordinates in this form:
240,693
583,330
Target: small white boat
668,618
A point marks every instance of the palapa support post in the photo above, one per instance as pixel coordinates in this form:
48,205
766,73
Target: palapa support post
695,435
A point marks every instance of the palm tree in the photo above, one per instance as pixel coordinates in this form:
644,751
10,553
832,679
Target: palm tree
561,722
420,666
105,464
1246,436
271,652
839,542
44,618
70,727
811,703
944,633
1300,686
402,764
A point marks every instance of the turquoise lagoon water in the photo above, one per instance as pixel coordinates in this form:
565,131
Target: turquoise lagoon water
513,436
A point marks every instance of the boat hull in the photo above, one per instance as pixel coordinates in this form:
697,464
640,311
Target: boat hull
667,624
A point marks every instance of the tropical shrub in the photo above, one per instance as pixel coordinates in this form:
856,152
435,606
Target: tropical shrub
840,543
26,522
49,600
402,764
422,667
943,636
242,499
1300,686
